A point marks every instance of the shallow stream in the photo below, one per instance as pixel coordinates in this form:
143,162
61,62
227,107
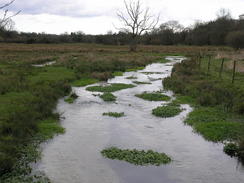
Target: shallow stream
75,157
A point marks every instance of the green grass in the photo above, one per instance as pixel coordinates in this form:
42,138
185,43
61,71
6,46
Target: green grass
141,83
108,97
134,69
137,157
166,111
110,88
49,128
163,60
84,82
71,98
117,73
131,77
153,96
114,114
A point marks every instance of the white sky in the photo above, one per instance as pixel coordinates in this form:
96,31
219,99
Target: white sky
99,16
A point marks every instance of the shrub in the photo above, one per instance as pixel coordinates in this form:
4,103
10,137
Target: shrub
235,39
137,157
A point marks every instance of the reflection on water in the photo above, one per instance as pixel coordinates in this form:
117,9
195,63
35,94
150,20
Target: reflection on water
75,156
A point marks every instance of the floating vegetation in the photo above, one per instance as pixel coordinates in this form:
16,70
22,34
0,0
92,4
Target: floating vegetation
108,97
131,77
114,114
110,88
71,98
84,82
148,73
154,79
137,157
156,96
166,111
141,83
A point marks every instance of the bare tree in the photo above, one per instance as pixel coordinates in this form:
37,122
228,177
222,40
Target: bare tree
136,20
6,20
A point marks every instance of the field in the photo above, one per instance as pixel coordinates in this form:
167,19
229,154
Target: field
29,94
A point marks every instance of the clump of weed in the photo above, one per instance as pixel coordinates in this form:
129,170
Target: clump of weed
71,98
131,77
153,96
137,157
231,149
141,83
84,82
108,97
114,114
166,111
110,88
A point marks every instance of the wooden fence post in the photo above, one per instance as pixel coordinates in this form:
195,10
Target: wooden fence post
221,68
234,72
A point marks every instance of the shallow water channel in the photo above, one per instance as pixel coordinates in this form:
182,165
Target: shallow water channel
75,157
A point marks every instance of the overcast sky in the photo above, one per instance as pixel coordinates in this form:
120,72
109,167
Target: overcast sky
99,16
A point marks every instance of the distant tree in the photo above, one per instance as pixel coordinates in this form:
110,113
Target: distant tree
223,14
6,20
235,39
136,20
172,25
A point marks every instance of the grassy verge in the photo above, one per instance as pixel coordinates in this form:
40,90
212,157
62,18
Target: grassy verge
134,69
108,97
110,88
153,96
219,110
118,73
137,157
84,82
114,114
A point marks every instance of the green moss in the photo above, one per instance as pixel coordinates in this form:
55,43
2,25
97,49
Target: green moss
71,98
153,96
137,157
135,69
84,82
166,111
118,73
108,97
114,114
141,83
110,88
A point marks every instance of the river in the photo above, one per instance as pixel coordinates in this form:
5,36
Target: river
75,157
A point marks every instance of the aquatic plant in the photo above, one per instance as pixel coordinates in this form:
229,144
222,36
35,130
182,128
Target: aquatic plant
155,96
114,114
166,111
137,157
110,88
108,97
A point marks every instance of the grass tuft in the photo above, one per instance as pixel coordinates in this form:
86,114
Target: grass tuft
84,82
137,157
71,98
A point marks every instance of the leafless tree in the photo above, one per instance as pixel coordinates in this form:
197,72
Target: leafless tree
6,20
136,20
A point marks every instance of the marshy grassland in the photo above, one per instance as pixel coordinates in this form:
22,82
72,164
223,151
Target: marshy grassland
218,102
29,94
